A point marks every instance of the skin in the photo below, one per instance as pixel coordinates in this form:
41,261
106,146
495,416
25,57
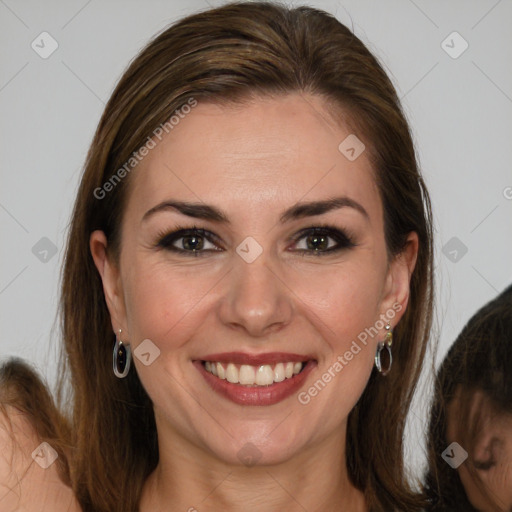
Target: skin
24,484
253,162
487,473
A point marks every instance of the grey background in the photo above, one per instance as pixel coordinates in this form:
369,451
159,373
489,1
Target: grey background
459,109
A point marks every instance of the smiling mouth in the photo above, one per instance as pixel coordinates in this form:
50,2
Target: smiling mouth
254,375
255,380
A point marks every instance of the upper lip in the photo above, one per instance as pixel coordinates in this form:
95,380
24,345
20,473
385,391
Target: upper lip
257,359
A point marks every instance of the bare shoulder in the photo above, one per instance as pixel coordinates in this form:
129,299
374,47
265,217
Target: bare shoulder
29,480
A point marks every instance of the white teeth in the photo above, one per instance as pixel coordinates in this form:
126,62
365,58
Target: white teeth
247,375
279,372
220,370
213,369
264,375
232,373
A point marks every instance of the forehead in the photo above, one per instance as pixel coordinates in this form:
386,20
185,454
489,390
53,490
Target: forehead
266,150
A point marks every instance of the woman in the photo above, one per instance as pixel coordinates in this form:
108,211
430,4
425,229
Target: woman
247,291
473,408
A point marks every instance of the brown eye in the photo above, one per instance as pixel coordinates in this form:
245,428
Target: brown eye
317,242
320,240
192,242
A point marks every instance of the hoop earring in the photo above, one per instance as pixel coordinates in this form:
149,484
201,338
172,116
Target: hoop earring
121,358
388,340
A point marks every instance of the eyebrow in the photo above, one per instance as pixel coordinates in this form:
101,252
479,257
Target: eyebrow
297,211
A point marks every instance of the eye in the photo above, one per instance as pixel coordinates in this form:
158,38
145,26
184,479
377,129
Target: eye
195,241
484,465
190,241
493,455
322,239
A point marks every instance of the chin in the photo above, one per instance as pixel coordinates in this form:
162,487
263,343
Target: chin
251,451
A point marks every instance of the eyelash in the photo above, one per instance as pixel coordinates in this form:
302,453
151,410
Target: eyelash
343,240
484,466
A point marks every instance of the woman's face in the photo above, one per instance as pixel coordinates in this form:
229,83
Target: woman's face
487,473
255,288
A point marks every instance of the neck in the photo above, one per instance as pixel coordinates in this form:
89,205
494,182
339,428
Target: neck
191,479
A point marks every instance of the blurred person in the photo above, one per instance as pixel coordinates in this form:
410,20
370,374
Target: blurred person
473,408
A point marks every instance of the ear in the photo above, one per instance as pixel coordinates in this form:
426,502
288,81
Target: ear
111,279
398,279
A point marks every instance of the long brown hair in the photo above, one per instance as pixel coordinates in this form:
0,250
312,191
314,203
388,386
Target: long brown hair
229,54
478,361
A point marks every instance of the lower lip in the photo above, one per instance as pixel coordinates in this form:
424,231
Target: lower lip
256,395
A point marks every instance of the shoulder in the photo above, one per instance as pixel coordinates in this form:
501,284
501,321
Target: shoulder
29,480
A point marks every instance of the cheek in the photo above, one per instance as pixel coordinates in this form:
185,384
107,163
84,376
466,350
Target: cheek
162,301
471,488
344,307
495,485
345,298
502,481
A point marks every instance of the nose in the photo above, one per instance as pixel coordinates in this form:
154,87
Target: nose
256,300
